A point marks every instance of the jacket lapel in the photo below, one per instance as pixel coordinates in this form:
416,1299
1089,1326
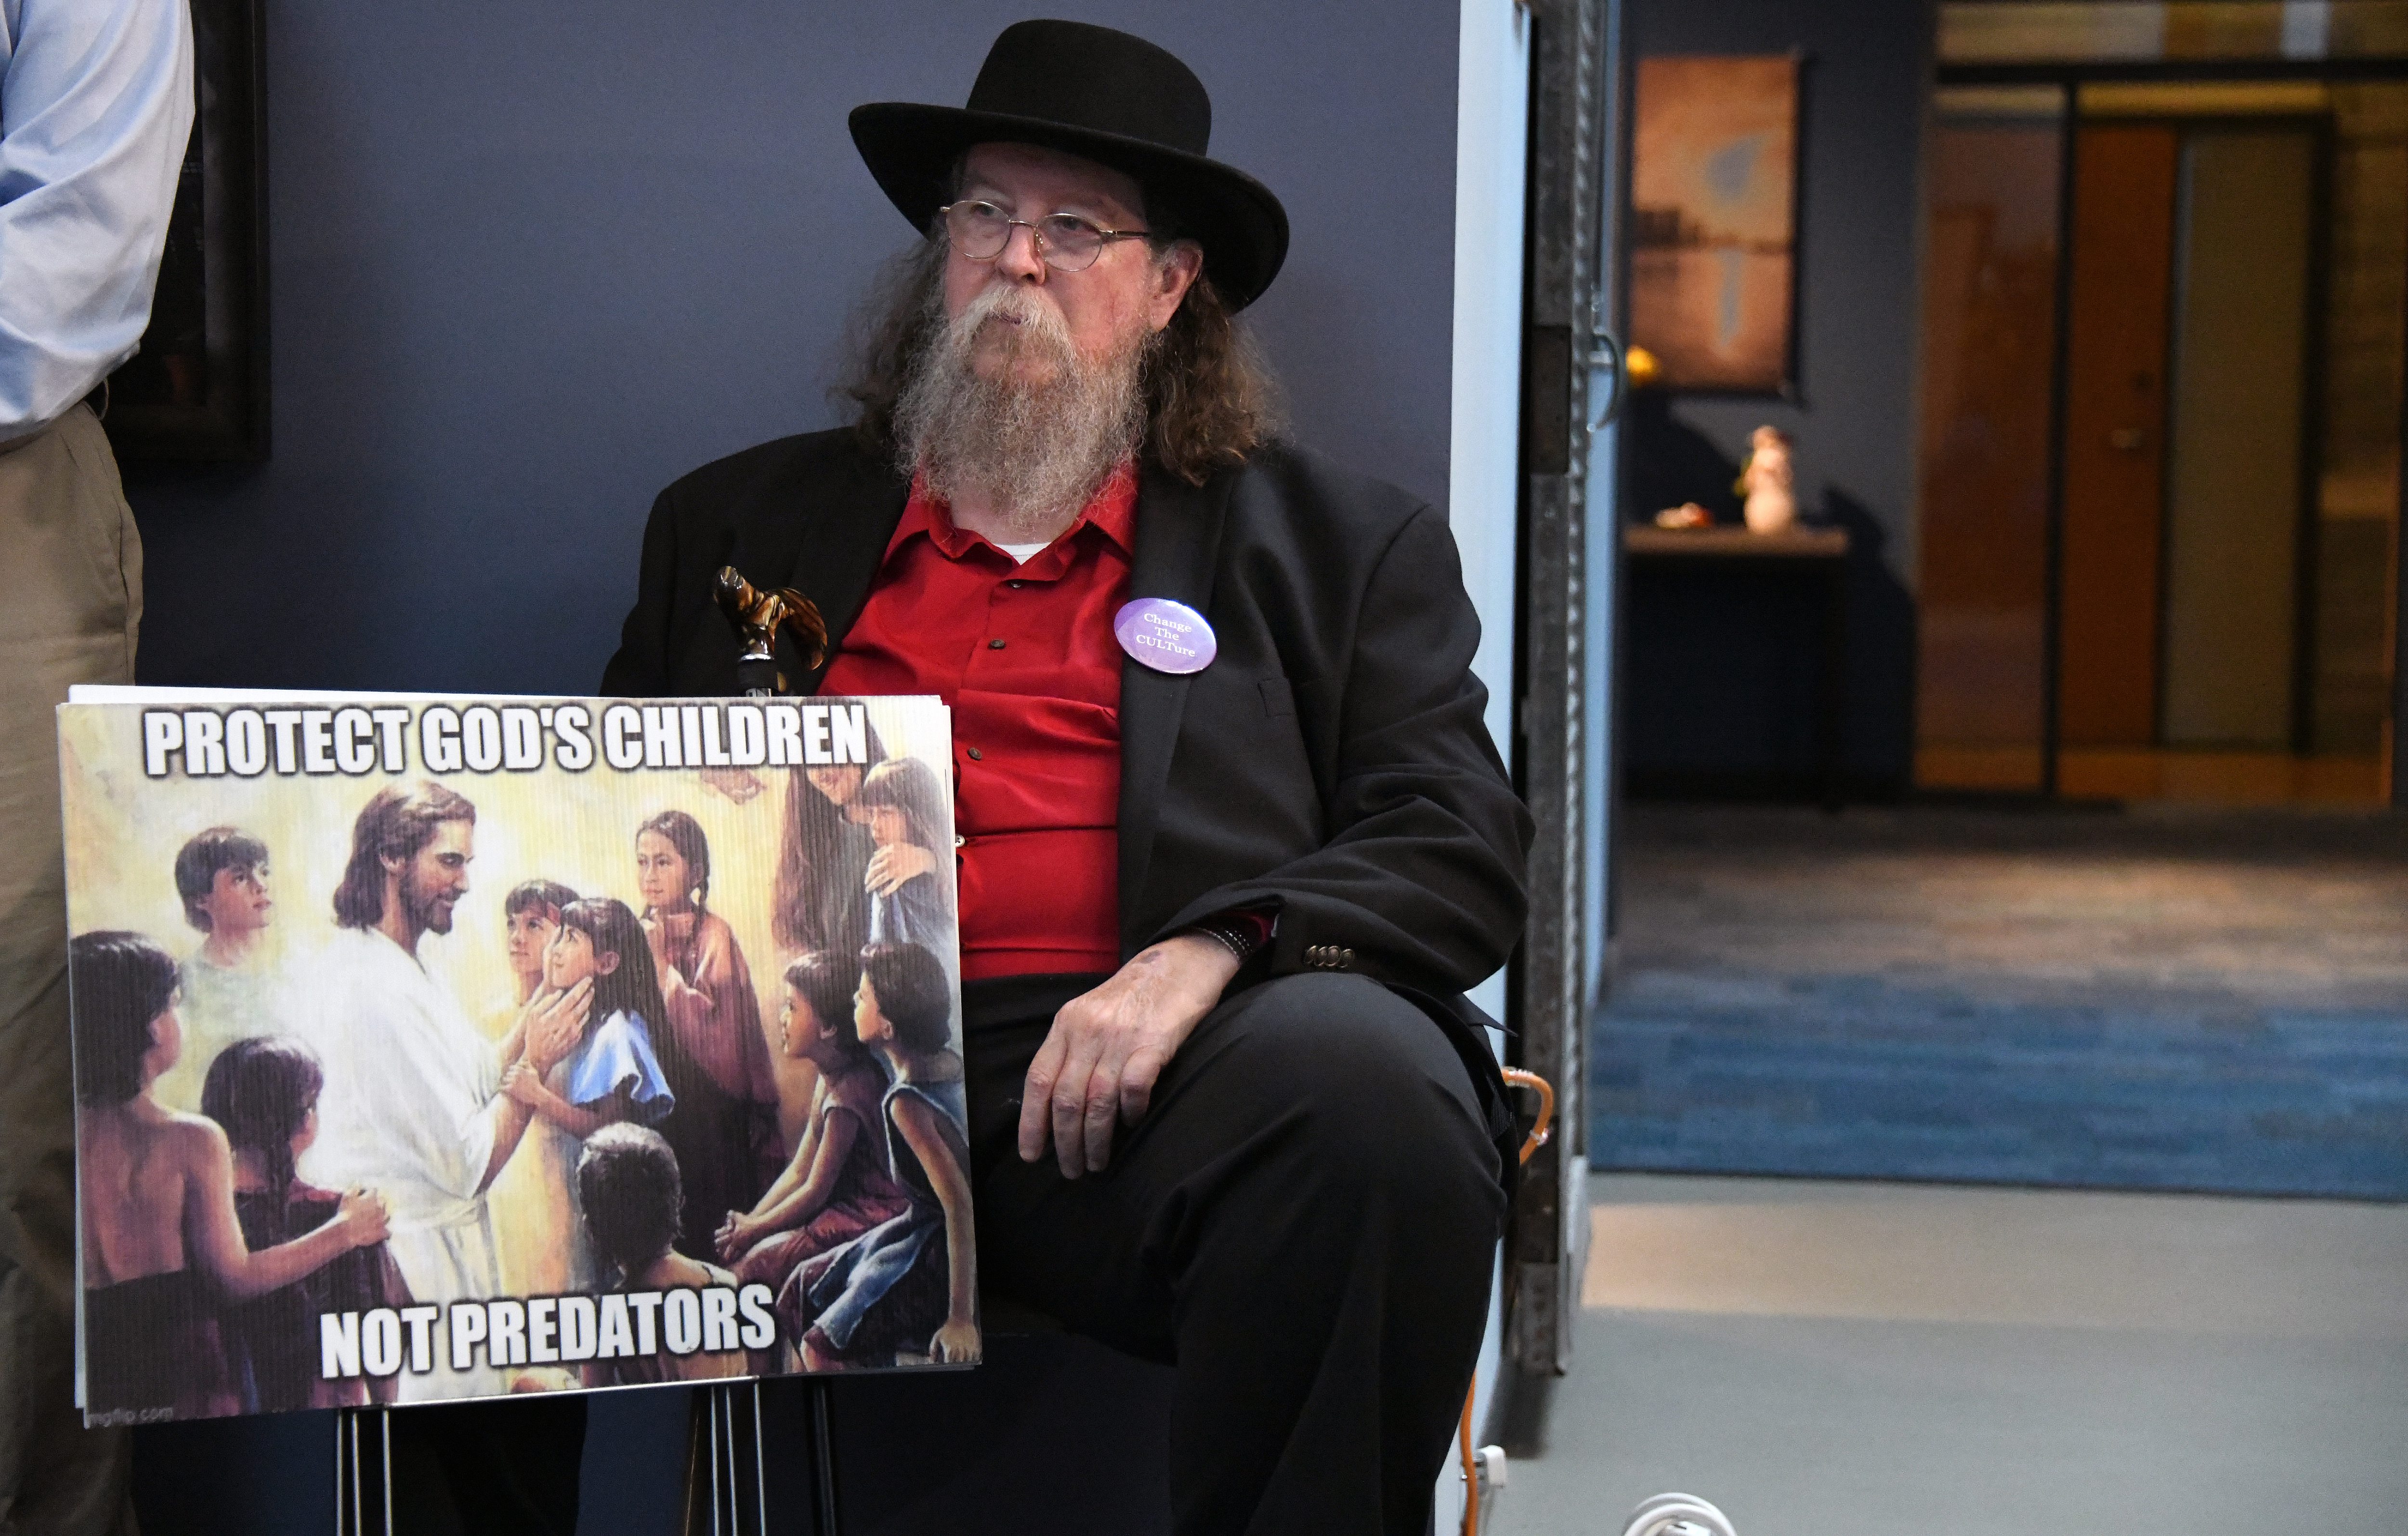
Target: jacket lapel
1176,556
828,548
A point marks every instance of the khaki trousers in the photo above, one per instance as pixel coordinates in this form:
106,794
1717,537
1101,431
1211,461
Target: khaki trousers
70,604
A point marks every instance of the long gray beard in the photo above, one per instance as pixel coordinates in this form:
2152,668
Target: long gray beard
1036,454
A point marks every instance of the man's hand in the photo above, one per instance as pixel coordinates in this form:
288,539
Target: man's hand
955,1344
1108,1047
555,1024
894,865
736,783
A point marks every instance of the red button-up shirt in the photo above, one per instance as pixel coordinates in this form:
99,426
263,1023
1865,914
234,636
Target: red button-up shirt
1026,656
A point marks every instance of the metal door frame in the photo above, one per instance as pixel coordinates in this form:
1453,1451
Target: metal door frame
1547,990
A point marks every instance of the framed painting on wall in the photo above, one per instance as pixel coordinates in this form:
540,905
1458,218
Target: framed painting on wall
197,389
1713,196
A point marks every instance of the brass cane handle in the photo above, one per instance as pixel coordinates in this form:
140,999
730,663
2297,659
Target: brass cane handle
756,616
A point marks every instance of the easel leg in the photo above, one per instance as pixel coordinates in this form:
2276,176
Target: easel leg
822,1461
729,1491
362,1471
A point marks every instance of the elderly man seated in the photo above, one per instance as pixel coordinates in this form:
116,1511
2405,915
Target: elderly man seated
1233,837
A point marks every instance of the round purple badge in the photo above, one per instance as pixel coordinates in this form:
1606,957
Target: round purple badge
1167,636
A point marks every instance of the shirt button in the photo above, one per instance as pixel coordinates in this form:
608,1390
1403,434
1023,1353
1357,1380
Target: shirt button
1015,585
995,645
976,755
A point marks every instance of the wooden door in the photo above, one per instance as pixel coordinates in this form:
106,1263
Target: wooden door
2114,435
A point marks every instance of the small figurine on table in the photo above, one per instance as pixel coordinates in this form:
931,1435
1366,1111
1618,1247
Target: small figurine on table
1769,482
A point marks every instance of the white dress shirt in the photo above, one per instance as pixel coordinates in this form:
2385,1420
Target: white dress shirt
96,109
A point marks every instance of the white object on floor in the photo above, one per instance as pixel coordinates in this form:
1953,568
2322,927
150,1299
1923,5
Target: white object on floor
1488,1464
1678,1514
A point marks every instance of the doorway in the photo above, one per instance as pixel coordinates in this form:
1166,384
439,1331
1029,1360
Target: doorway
2158,554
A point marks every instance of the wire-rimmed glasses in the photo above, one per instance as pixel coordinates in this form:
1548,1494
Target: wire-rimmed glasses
1068,243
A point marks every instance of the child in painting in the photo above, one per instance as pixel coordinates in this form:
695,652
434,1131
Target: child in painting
263,1093
837,1186
910,899
704,979
534,1226
909,1285
726,1142
627,1184
228,993
160,1238
613,1073
530,919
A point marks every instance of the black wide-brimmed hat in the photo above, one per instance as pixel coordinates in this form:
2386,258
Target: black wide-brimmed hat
1112,98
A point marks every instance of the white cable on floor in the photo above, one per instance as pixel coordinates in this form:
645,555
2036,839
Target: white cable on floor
1678,1514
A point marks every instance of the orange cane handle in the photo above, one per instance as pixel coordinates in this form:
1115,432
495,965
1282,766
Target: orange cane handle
1545,1123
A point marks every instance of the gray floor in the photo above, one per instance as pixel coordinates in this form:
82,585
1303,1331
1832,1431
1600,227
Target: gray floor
1860,1359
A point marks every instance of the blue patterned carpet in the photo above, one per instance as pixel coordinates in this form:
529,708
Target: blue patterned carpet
2205,1002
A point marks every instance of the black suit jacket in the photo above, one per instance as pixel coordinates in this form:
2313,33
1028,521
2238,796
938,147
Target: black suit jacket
1332,762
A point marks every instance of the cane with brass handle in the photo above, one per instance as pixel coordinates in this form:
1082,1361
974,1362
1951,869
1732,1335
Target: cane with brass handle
756,616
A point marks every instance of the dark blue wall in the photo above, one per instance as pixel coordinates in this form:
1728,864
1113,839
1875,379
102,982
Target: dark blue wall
1721,691
530,262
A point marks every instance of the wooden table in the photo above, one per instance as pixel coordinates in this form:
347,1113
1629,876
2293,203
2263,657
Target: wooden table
1814,554
1726,542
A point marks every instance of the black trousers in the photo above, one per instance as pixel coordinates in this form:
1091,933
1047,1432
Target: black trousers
1303,1224
500,1467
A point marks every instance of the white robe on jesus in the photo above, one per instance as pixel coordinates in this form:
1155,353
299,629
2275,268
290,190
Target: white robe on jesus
410,1110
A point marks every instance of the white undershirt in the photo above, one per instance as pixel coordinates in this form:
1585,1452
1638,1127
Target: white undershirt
1022,553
